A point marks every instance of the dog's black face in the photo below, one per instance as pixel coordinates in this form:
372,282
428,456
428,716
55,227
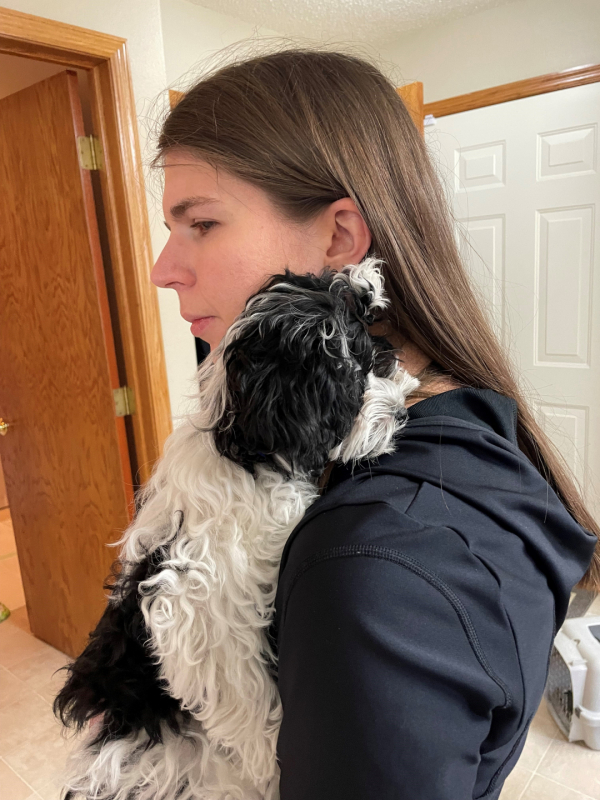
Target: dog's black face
296,372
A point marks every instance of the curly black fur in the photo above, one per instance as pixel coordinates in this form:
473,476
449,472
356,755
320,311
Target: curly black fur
116,675
290,391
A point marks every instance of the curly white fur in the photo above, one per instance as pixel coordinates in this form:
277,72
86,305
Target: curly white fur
209,606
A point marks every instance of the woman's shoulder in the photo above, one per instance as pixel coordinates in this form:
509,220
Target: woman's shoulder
459,502
454,448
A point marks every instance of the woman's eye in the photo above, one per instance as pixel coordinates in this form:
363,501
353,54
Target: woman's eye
201,224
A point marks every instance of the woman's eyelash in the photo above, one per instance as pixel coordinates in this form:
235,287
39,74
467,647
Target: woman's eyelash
199,224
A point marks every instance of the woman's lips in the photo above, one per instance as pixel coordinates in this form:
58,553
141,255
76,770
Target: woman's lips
198,325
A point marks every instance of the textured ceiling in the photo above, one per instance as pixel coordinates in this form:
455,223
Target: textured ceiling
368,21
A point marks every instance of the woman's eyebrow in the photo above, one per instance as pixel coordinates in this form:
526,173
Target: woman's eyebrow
179,209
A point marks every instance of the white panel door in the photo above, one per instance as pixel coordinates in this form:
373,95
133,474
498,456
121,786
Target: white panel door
522,179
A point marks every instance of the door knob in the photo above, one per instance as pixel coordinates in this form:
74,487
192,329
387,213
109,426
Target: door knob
3,427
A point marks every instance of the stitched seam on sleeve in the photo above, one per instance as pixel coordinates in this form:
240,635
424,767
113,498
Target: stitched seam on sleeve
387,554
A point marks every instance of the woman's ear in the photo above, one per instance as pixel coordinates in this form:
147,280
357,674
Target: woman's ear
346,236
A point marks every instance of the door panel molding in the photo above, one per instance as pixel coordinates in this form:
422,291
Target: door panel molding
115,124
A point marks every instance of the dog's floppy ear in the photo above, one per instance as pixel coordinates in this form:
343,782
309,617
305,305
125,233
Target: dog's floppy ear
296,366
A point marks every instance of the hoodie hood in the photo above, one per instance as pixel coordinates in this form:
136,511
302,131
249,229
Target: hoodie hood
463,445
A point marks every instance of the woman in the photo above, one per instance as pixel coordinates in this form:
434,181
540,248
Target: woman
419,592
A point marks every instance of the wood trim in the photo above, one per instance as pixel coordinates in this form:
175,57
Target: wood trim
174,97
412,95
552,82
122,181
47,40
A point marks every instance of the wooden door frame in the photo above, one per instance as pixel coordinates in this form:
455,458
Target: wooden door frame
124,199
551,82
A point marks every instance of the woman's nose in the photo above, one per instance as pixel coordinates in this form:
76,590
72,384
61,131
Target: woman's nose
168,272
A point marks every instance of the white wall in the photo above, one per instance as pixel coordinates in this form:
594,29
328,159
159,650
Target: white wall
516,40
191,34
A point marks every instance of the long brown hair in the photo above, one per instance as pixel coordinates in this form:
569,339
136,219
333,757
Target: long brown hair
309,126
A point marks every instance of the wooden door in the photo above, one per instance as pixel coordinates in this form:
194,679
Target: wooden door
522,179
65,454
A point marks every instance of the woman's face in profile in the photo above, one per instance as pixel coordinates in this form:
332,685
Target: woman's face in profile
225,239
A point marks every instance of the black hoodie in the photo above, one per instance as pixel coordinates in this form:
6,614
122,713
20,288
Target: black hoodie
417,604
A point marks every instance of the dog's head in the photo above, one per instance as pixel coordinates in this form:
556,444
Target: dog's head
297,365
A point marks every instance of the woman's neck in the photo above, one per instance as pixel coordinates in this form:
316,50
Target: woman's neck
414,361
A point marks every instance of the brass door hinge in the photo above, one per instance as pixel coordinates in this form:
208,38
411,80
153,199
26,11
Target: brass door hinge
124,401
90,153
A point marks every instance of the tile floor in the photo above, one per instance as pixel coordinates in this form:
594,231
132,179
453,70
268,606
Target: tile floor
33,751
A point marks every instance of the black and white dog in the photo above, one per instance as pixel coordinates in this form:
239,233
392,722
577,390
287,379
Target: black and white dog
179,673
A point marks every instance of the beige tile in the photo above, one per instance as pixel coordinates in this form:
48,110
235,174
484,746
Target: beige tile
18,617
36,664
543,721
515,783
7,628
572,764
49,690
542,788
40,669
26,721
16,645
5,515
11,586
52,791
11,785
11,688
42,763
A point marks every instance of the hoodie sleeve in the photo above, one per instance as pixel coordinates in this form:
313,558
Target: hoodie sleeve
383,688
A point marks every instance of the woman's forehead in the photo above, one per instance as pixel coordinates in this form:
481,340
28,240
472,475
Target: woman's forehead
192,183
